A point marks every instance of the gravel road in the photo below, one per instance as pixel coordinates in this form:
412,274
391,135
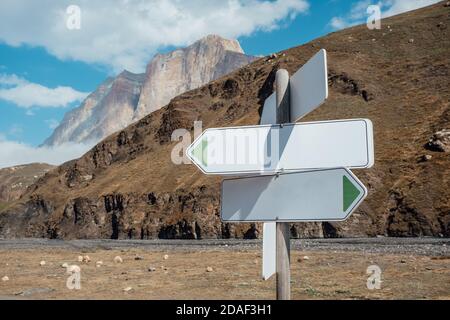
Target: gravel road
416,246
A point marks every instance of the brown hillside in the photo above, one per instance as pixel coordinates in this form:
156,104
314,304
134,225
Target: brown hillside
127,186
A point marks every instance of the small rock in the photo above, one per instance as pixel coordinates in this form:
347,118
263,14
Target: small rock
42,263
256,261
305,258
65,265
138,258
87,177
447,4
166,256
440,141
5,278
128,289
86,259
80,258
273,56
209,269
32,291
98,264
118,259
402,261
151,269
425,158
411,40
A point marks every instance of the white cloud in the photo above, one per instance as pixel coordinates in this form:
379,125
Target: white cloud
124,34
28,94
16,153
358,13
338,23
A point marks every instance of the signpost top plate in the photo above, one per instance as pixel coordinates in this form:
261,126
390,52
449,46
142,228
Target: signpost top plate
309,86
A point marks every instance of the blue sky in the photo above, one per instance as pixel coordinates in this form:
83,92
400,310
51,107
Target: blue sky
51,69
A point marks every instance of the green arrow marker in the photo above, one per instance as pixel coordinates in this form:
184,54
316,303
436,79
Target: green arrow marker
350,192
200,152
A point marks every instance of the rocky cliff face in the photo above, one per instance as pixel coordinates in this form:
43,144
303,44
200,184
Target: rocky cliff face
127,98
110,108
182,70
128,187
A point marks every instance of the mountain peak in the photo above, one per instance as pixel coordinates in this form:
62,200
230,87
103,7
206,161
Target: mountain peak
226,44
130,96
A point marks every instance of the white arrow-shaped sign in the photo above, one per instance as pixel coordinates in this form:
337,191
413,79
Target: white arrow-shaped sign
320,195
292,147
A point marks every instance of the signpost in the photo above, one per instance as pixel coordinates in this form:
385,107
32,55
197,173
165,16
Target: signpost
292,172
306,196
271,149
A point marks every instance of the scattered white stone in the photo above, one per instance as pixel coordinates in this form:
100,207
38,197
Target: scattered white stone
73,269
42,263
80,258
305,258
98,264
166,256
5,278
65,265
411,40
118,259
209,269
128,289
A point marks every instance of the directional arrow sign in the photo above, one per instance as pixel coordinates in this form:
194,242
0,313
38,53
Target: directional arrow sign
292,147
309,86
321,195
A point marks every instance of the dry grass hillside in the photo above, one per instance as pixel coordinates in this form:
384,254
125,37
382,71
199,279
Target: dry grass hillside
127,186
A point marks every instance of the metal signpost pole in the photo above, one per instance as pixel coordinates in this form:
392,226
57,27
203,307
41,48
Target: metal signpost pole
283,239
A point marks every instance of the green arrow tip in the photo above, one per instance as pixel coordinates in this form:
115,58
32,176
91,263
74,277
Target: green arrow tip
350,192
200,152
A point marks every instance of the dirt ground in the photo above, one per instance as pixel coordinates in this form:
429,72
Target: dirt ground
236,274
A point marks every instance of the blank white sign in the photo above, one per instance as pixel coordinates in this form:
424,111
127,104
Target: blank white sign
309,86
321,195
291,147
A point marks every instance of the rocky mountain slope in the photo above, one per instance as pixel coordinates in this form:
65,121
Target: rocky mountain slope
127,98
14,181
399,77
